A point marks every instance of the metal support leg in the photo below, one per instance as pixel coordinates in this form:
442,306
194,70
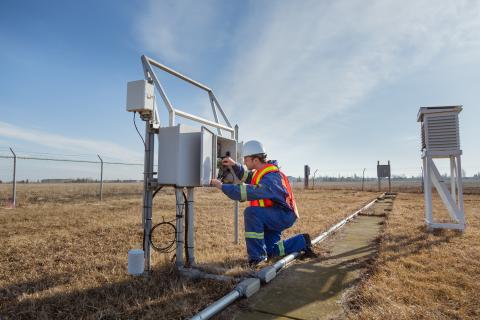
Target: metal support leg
460,191
191,227
453,188
179,262
428,190
148,194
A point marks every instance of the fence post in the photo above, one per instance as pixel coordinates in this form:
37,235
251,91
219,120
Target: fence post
101,177
313,182
389,177
378,175
363,178
14,182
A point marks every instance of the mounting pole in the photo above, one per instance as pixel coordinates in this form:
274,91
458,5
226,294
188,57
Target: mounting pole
180,218
14,181
101,177
148,192
236,208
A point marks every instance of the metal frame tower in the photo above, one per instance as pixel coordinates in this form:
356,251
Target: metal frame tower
141,98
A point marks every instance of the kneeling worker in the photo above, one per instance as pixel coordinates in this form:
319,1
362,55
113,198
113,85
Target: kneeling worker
272,205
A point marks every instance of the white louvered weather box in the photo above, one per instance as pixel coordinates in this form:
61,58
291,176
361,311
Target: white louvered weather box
441,139
440,129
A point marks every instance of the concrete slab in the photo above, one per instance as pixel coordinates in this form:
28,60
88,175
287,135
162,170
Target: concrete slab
313,289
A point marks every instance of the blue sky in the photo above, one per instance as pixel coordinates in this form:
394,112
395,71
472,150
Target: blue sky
333,84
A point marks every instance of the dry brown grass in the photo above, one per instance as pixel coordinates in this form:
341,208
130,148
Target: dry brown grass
420,275
64,254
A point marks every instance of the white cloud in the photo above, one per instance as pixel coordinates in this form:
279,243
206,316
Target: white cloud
63,143
176,31
302,66
311,61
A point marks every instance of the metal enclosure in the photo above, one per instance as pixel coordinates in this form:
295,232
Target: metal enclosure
179,156
188,156
140,96
441,139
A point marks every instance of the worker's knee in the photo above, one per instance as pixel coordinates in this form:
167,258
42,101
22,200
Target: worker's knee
249,212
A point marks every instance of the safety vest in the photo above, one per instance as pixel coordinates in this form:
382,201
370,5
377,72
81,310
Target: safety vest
257,177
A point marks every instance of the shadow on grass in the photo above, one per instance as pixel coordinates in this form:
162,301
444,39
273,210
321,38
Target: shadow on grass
404,246
162,295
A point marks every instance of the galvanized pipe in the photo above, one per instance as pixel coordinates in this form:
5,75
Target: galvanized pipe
214,109
237,204
179,261
148,194
201,120
176,74
217,306
149,73
191,226
222,303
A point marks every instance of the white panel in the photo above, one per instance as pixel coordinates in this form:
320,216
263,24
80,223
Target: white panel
207,158
178,156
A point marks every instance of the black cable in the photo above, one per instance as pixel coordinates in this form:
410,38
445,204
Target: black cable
135,124
187,258
156,191
167,248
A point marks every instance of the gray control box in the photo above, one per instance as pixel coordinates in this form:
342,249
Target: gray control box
187,156
179,156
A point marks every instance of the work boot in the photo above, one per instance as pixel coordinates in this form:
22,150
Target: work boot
257,263
308,251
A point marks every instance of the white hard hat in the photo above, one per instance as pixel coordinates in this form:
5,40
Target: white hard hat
253,147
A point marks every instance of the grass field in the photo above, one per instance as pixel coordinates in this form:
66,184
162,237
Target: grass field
420,275
64,256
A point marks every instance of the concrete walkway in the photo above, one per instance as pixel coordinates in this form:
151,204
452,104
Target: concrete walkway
314,289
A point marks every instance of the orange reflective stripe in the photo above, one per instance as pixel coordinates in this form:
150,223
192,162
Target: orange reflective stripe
290,198
256,180
266,169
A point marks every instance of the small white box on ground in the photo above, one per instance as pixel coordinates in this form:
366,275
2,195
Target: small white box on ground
140,96
135,262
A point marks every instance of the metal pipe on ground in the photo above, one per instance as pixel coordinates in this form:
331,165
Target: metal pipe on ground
268,273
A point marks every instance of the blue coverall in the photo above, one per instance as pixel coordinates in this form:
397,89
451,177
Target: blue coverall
264,225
